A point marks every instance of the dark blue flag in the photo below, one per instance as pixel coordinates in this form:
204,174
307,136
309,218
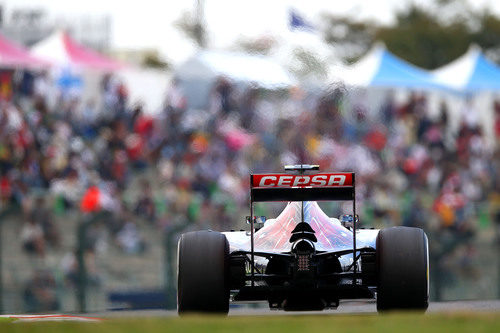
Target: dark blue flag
298,22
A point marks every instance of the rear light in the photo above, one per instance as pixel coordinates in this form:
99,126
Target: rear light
303,250
303,262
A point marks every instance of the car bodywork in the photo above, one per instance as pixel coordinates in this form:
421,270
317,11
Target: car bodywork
302,259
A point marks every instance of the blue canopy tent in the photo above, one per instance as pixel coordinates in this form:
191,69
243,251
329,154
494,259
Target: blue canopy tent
381,68
471,73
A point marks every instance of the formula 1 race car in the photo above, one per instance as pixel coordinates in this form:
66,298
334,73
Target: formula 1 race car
303,260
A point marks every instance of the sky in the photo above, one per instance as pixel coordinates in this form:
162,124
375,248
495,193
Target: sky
149,23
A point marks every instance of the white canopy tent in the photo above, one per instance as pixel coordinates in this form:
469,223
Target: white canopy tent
62,50
197,75
239,67
380,73
470,73
381,68
80,67
478,80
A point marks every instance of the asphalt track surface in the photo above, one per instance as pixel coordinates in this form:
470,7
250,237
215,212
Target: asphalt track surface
346,307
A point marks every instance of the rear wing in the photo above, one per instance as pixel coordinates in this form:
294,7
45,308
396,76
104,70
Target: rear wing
317,187
302,187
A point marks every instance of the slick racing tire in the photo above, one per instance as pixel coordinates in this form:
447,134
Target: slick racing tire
202,273
402,269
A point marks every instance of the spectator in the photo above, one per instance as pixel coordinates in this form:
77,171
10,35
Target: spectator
32,238
411,168
129,239
40,293
43,217
145,205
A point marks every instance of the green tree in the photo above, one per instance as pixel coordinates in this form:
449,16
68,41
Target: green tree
192,27
350,38
260,45
307,64
421,39
152,60
488,35
428,37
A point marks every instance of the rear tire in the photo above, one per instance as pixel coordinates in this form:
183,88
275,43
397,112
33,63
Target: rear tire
202,272
402,269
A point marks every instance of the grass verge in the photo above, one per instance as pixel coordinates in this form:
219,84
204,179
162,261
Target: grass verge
394,322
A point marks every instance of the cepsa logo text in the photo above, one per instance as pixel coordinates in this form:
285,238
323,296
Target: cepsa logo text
323,179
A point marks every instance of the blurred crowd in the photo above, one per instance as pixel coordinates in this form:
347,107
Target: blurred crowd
185,167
